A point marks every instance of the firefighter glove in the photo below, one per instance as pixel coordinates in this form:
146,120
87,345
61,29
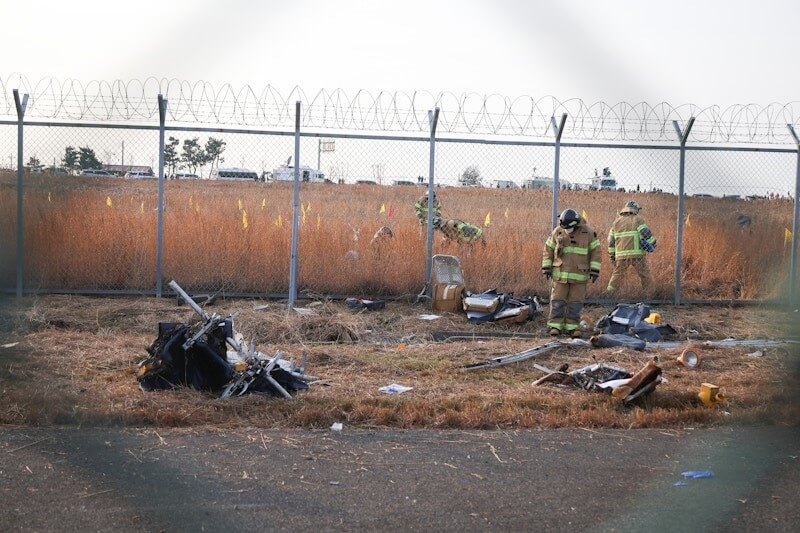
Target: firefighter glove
547,273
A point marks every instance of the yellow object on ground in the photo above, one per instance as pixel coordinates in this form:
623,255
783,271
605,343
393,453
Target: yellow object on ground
653,318
710,395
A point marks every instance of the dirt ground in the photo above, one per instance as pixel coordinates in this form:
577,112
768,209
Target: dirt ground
70,360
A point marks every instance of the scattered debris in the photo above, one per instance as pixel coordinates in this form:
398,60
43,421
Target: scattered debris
337,426
710,395
757,353
689,358
10,345
447,283
629,319
395,388
303,311
516,357
491,306
698,474
609,340
196,356
429,317
607,378
365,303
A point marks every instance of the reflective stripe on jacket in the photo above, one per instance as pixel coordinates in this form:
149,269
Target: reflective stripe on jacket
572,256
629,237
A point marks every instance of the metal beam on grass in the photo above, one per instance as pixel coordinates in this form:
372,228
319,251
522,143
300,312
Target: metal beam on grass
21,106
558,129
682,137
295,208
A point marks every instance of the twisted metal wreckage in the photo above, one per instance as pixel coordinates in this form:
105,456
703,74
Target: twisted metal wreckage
197,356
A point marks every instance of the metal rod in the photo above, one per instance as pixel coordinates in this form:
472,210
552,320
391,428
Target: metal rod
188,299
433,118
558,129
162,116
21,105
682,137
793,297
295,208
319,153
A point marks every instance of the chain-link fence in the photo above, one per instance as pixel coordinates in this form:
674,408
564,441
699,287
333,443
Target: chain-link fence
88,195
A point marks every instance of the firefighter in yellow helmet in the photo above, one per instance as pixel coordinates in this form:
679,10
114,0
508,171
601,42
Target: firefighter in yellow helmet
571,257
628,241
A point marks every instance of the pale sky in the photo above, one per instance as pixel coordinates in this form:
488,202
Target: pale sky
703,52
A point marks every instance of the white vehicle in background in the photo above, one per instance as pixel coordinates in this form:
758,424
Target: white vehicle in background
606,182
307,174
234,174
505,184
97,173
185,176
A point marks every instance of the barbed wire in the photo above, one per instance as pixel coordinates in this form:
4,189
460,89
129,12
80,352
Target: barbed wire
386,111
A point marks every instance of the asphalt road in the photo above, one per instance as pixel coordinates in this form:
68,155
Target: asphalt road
104,479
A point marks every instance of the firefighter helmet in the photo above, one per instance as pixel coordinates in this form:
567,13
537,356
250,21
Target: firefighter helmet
569,218
632,207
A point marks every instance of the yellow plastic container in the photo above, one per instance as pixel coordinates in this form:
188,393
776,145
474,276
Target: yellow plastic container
710,395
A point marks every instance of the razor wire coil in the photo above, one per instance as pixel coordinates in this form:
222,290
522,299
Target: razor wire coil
394,111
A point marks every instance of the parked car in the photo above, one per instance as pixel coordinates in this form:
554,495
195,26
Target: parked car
98,173
139,175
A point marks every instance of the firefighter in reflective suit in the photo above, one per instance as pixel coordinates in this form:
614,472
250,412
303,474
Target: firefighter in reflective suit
628,241
571,257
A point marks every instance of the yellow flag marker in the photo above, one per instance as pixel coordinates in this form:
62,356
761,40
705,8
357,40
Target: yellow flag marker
263,203
506,213
488,220
383,209
240,204
279,221
48,196
245,223
787,236
141,208
109,203
584,215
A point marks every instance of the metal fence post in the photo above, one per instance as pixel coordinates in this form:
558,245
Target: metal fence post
433,119
21,106
682,137
162,116
795,225
295,209
558,129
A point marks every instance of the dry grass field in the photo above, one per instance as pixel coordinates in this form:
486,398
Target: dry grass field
75,360
89,233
